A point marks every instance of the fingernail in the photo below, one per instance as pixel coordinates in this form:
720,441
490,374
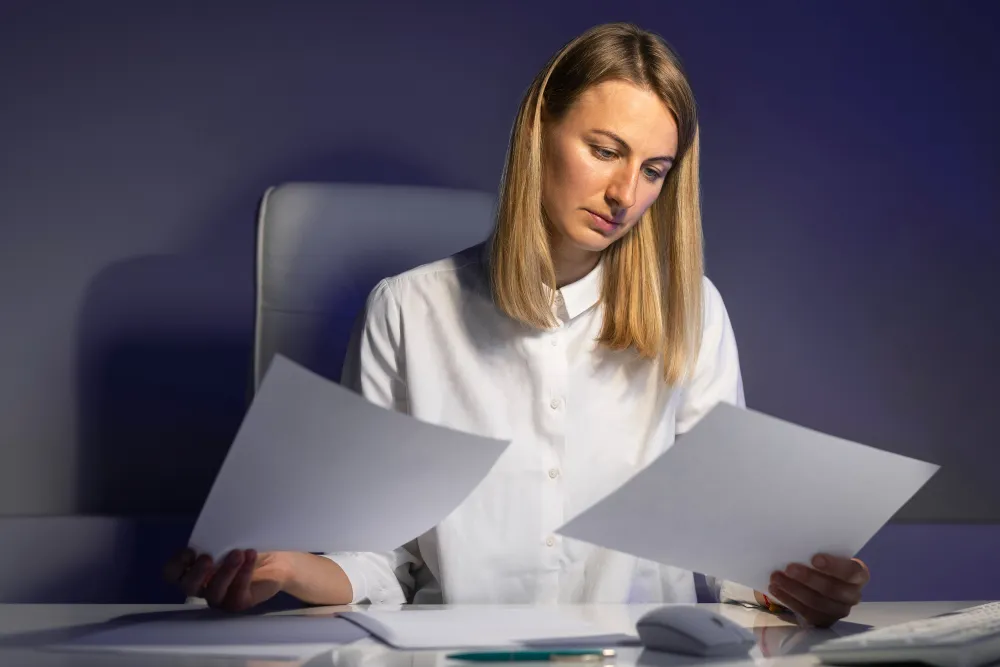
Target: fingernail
819,561
857,578
796,571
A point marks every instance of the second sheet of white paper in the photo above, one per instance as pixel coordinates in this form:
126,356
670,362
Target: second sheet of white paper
743,494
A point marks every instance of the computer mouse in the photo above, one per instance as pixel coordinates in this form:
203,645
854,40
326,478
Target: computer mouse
693,630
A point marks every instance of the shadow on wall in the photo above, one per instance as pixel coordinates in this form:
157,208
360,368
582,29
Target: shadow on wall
165,345
325,353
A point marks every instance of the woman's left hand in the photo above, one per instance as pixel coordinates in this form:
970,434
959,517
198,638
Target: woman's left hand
823,593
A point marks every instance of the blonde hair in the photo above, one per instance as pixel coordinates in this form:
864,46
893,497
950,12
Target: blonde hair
652,290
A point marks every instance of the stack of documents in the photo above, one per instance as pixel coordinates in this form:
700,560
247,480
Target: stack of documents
318,468
193,633
480,626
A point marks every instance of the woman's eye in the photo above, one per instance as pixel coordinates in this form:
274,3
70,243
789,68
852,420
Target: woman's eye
652,174
603,153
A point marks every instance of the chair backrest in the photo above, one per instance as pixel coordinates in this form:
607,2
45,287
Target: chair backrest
322,247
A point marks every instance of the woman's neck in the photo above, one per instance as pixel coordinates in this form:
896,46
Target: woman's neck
571,264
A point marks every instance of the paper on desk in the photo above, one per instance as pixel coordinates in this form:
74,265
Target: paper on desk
481,626
265,637
300,473
743,494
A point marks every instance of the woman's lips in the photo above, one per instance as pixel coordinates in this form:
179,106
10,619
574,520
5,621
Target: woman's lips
604,224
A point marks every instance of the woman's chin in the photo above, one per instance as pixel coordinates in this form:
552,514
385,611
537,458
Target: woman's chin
586,238
593,240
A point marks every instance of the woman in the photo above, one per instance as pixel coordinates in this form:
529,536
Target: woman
583,330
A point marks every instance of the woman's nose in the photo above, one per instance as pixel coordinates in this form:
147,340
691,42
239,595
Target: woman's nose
621,189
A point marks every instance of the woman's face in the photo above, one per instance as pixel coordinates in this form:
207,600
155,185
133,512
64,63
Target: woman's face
604,163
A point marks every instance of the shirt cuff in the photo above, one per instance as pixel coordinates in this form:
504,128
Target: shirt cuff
354,568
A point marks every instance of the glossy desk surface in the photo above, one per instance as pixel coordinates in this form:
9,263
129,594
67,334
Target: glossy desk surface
28,631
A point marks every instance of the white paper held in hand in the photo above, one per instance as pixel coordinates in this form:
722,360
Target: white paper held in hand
315,467
743,494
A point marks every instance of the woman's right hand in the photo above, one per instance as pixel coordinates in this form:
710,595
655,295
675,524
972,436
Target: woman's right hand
243,579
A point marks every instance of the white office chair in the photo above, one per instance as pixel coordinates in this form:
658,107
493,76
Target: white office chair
321,248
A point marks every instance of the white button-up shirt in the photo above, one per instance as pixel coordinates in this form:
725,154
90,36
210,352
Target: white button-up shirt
581,420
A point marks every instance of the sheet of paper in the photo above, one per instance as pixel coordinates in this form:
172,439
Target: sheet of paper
743,494
270,637
317,468
476,626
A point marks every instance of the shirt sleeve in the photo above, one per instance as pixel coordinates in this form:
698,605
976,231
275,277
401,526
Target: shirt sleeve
716,379
373,368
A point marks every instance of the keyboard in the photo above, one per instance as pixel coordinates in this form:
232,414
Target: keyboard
965,638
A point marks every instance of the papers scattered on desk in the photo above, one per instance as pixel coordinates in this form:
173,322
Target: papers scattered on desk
743,494
263,637
476,626
300,473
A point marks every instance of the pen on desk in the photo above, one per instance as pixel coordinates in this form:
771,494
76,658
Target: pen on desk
567,655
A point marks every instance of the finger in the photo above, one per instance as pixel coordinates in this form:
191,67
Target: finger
192,582
816,608
800,610
238,598
849,570
218,587
824,584
176,566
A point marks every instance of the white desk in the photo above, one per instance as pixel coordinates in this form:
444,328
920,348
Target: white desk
24,628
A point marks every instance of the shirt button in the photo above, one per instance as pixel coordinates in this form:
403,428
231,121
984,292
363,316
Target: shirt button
555,342
550,541
555,403
553,472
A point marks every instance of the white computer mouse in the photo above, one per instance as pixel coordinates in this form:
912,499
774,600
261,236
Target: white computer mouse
693,630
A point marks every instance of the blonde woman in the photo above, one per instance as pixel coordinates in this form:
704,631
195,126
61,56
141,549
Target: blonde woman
583,329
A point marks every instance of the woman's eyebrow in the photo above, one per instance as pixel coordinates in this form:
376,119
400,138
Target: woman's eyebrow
628,149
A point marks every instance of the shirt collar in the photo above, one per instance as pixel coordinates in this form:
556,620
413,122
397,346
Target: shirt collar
577,297
580,295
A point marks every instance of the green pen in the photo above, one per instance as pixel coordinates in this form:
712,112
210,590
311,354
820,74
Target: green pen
567,655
